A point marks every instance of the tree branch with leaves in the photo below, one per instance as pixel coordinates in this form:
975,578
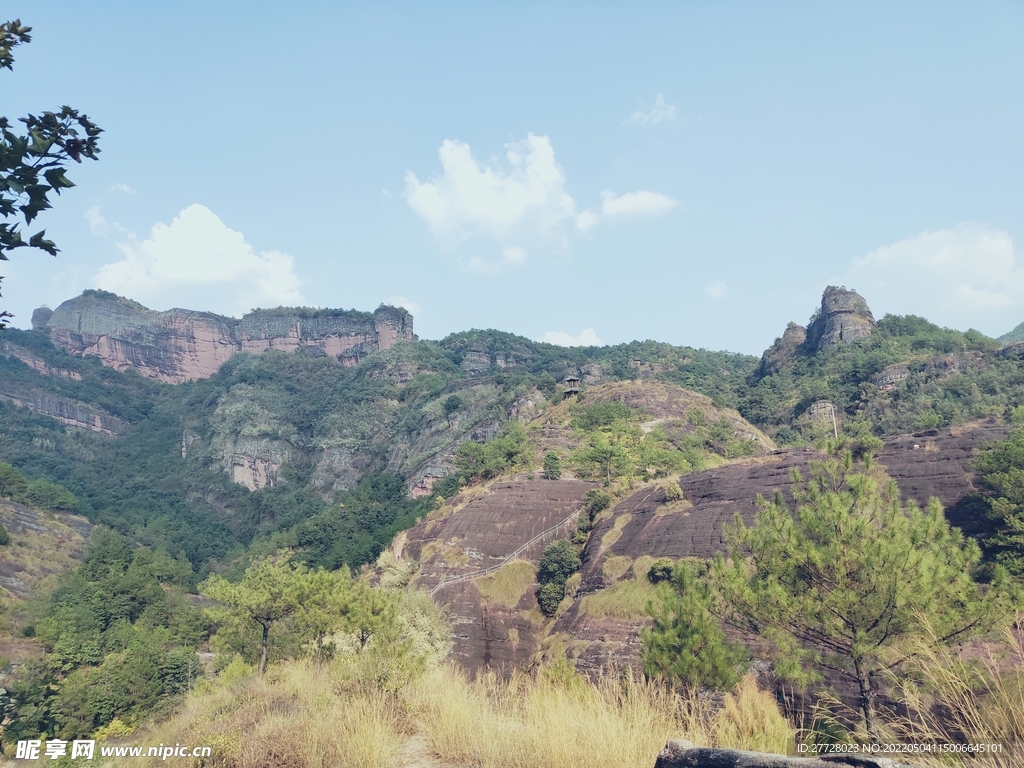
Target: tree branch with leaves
33,163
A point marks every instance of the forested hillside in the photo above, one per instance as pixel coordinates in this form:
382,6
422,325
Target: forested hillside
310,460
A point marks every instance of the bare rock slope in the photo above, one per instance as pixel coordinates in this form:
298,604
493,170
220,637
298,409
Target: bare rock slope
497,622
476,557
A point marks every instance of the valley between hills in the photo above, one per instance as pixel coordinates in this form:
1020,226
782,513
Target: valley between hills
147,455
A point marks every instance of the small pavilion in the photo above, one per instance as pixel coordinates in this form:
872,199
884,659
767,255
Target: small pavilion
572,385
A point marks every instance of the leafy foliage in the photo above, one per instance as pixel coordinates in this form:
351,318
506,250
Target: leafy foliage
270,591
356,529
40,493
614,445
509,450
33,165
552,466
120,636
560,561
950,377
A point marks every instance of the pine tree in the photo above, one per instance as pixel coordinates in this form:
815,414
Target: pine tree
853,579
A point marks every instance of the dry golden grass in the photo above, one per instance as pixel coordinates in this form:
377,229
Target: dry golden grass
614,566
572,584
508,584
625,600
975,698
642,565
295,717
750,719
558,720
613,535
672,507
301,717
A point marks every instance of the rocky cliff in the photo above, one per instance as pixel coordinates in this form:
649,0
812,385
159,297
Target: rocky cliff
497,622
183,345
844,317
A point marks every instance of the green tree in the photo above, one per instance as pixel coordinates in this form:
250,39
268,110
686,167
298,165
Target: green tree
603,455
509,450
845,582
12,483
559,561
268,592
1001,477
4,536
685,643
33,165
552,466
371,612
324,602
452,404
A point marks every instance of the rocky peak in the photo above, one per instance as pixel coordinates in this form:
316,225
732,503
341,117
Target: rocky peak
784,350
40,317
844,317
183,345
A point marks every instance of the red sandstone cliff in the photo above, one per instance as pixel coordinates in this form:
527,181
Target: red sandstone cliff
183,345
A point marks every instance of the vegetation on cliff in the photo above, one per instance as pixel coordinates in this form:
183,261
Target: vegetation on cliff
301,466
853,580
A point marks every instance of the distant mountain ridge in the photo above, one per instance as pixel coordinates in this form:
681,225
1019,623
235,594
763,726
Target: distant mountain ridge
1012,337
184,345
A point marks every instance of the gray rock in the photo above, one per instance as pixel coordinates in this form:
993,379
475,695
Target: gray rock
40,317
844,317
684,754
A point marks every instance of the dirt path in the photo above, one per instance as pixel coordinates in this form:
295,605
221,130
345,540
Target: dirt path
415,753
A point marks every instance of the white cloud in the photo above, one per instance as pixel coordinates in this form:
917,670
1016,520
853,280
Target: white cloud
512,256
965,276
518,205
586,338
122,187
634,205
97,223
586,220
716,289
525,203
661,111
197,262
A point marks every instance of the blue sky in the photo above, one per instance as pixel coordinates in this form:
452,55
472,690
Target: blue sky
688,172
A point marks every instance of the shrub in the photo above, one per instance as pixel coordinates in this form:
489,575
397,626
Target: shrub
660,570
559,561
552,466
595,502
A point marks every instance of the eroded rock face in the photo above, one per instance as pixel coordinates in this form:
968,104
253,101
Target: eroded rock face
481,535
35,362
47,544
64,410
182,345
844,317
935,463
40,317
482,532
784,351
